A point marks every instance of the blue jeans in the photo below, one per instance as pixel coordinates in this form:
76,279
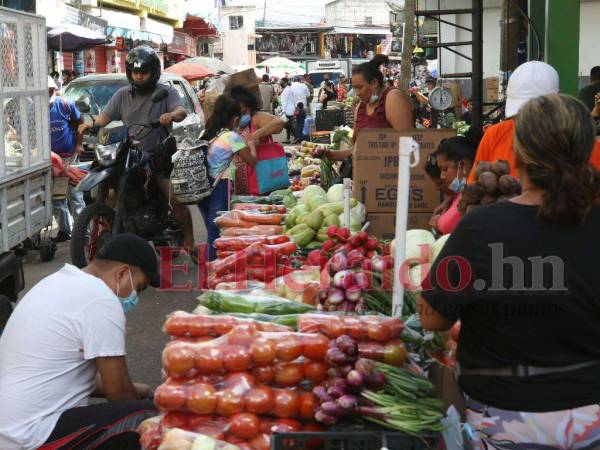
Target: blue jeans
209,207
60,209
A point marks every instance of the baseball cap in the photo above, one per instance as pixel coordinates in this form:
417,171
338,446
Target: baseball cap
135,251
530,80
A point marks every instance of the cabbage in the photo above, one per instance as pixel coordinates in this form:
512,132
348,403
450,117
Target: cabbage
315,201
359,212
414,240
355,224
312,191
417,275
438,246
335,193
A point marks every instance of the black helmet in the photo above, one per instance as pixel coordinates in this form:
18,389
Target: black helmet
143,59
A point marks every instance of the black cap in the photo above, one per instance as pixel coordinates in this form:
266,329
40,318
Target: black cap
135,251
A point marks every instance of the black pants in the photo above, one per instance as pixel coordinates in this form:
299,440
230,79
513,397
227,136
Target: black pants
104,426
290,126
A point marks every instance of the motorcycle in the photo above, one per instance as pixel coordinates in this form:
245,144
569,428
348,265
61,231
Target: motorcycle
119,177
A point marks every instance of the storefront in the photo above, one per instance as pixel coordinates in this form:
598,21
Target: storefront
91,60
292,43
182,47
349,42
203,31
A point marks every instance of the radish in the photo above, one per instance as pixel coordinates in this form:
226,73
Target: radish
338,262
371,244
332,231
366,265
328,244
353,293
336,296
355,241
363,236
339,279
377,264
362,280
343,233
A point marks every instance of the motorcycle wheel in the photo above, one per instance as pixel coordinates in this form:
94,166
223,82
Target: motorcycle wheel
91,230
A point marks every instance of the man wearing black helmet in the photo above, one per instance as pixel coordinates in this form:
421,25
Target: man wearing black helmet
133,105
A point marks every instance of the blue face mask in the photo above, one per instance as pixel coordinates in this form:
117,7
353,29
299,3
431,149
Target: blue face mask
458,183
245,120
374,98
131,300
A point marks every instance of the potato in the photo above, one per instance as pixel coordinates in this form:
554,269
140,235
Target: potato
488,181
501,167
483,166
508,185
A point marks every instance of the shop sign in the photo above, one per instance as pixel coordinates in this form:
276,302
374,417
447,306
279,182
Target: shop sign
182,44
295,44
76,17
89,57
78,64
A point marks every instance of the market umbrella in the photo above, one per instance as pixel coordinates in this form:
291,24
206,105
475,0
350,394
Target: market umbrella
69,37
190,72
281,66
242,67
213,64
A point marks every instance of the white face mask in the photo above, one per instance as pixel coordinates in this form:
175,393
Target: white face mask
459,182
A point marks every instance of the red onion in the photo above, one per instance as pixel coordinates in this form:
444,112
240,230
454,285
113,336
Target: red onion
321,393
355,379
325,419
365,366
347,345
345,370
336,357
376,380
347,402
332,409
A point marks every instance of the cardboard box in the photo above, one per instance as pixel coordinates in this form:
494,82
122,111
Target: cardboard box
492,89
383,225
375,169
224,84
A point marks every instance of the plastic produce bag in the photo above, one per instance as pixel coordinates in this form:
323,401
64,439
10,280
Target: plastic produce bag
243,349
242,431
180,324
238,393
360,328
225,301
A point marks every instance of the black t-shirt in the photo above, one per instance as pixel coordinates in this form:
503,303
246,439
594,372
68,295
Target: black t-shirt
554,322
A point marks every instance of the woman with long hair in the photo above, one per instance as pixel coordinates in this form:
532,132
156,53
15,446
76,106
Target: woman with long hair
454,158
255,127
522,278
225,144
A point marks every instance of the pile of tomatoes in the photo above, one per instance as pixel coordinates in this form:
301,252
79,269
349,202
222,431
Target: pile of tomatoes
233,394
242,386
284,359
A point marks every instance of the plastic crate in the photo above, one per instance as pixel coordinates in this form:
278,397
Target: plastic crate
328,119
353,440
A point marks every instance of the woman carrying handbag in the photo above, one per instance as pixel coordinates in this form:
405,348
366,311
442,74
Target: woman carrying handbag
225,144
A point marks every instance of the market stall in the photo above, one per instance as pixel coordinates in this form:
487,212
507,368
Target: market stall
296,338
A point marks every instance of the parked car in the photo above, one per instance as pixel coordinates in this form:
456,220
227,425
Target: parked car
97,90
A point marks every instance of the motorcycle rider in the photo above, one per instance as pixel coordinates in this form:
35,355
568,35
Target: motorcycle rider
133,105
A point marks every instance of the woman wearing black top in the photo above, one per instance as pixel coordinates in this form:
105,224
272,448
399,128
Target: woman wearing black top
523,278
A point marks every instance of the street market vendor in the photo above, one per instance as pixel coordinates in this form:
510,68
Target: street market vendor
65,342
530,80
379,106
454,157
520,277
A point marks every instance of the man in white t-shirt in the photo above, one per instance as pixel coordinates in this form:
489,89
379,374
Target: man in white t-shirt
288,105
301,92
65,342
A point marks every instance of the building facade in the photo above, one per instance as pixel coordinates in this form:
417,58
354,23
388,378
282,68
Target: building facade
238,24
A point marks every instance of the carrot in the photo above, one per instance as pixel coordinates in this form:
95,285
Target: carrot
267,230
263,219
260,208
238,243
